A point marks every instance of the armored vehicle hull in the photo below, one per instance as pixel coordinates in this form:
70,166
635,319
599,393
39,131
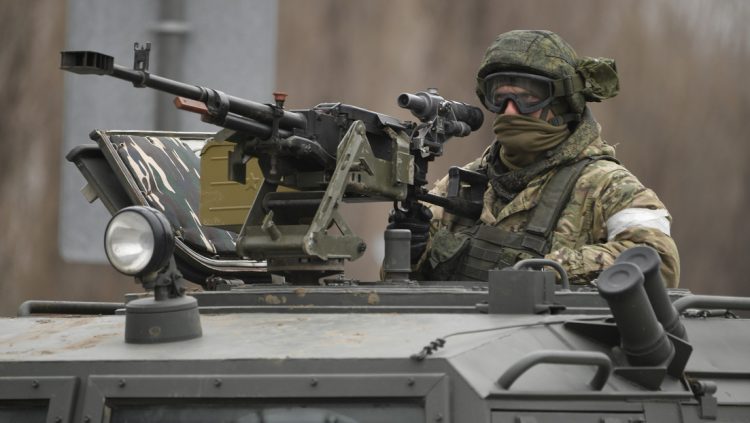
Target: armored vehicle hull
358,354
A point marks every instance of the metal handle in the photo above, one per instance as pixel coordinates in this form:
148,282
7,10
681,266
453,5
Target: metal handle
711,301
537,263
593,358
67,307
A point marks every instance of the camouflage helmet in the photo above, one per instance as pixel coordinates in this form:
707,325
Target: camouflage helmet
547,54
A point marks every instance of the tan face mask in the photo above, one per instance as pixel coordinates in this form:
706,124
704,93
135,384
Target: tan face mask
524,138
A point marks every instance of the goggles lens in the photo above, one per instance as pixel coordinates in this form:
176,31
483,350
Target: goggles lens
529,92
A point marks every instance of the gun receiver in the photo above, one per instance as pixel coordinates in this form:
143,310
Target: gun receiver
328,154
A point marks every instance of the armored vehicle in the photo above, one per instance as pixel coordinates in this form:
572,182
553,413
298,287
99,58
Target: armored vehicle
276,333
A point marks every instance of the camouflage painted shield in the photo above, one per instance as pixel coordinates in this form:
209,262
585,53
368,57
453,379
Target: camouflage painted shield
167,173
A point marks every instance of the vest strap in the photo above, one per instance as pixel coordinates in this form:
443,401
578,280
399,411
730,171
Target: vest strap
553,200
491,247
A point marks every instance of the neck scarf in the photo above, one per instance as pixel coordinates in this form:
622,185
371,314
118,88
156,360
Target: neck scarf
523,138
508,182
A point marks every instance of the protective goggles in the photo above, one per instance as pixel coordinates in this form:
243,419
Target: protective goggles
529,92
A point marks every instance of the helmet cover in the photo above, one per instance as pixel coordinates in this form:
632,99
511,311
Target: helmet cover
547,54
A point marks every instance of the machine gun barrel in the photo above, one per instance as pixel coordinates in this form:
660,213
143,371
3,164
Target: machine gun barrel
90,62
247,125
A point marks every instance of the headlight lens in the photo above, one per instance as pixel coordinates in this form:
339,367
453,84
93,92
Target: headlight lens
138,240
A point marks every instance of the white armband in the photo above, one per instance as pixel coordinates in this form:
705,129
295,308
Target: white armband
637,217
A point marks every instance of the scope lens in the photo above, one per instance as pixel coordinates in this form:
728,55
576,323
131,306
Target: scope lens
129,242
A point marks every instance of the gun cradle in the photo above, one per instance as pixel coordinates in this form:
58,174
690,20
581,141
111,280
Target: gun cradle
296,231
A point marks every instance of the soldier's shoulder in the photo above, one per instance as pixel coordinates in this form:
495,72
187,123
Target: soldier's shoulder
604,169
605,164
605,175
616,187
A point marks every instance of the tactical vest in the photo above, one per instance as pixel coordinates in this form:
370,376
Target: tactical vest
488,247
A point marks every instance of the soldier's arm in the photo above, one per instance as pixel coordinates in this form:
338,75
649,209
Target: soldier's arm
625,214
440,218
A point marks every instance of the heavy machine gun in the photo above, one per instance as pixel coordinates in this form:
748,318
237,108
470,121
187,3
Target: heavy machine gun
324,156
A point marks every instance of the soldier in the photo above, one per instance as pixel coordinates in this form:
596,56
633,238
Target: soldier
555,188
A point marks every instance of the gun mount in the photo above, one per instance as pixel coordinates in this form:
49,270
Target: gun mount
323,156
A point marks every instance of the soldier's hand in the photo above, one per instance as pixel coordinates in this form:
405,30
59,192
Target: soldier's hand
417,220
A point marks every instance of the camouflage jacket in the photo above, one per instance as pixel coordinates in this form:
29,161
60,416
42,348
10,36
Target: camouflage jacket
608,212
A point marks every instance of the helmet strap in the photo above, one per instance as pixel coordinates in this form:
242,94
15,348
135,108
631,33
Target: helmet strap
562,113
565,118
545,112
569,85
564,88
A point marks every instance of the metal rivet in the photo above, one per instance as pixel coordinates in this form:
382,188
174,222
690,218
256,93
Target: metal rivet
34,383
58,419
439,417
87,419
217,382
313,382
411,381
121,383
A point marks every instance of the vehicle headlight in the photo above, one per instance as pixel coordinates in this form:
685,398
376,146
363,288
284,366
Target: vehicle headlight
138,241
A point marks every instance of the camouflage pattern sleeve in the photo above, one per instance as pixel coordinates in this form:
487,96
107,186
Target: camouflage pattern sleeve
440,188
440,218
623,214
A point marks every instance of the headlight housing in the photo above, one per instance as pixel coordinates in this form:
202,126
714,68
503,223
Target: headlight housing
138,241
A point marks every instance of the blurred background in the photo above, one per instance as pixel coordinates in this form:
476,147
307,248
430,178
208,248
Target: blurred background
680,123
